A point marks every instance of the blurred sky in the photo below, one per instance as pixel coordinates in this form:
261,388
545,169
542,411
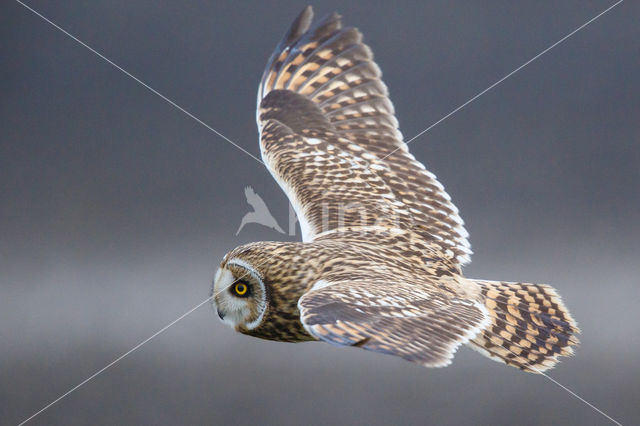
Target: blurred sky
115,208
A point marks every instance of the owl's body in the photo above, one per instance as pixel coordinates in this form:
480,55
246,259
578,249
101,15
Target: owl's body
295,268
380,265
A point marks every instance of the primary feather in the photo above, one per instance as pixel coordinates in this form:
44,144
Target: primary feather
322,85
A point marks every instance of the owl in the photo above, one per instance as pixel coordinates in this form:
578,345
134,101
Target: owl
383,246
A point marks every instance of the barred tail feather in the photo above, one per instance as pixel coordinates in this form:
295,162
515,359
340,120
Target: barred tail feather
530,326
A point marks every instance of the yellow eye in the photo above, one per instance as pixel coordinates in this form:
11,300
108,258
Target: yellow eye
240,289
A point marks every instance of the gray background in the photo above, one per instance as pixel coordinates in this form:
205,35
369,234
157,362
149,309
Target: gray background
115,208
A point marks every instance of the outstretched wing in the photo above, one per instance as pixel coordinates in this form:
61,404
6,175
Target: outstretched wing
330,139
395,318
392,297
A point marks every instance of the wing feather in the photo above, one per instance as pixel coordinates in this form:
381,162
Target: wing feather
322,84
396,318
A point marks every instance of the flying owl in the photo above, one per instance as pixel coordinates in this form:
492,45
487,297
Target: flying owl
380,262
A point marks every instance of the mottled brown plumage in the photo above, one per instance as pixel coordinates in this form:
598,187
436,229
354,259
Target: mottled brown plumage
383,245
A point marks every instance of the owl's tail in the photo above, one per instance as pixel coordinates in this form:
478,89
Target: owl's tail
530,326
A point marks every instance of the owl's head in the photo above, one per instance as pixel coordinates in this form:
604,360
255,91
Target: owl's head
257,287
239,294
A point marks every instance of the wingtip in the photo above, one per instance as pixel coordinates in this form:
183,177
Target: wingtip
307,13
330,23
301,24
303,21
